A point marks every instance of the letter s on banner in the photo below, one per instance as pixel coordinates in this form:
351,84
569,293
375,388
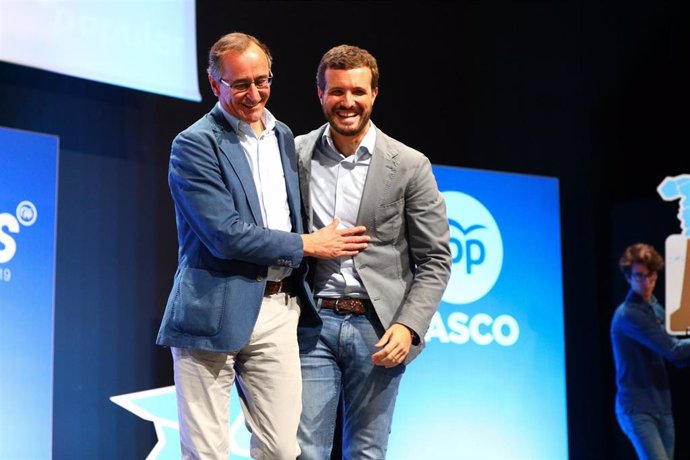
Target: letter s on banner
7,244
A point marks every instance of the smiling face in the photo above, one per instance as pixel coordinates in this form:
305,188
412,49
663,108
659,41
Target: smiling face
249,65
347,101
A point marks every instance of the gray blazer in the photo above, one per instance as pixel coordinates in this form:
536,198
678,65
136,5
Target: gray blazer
406,266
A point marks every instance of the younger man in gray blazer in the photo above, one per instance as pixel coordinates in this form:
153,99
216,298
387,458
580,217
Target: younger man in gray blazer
374,307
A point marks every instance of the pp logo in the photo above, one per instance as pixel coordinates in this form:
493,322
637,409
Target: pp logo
26,215
476,246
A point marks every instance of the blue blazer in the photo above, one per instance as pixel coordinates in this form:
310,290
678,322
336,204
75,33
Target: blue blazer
224,248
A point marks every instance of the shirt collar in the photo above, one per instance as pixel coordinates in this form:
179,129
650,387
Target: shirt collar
634,297
366,147
240,126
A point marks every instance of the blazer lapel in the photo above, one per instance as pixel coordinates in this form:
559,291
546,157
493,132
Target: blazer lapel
291,180
229,144
382,169
304,178
305,151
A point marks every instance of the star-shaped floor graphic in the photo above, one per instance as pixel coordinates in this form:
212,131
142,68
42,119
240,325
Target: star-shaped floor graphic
160,407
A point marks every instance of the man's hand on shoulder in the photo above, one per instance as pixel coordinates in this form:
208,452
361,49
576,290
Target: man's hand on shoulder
330,242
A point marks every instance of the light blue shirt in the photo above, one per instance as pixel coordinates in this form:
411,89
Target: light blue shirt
336,186
263,156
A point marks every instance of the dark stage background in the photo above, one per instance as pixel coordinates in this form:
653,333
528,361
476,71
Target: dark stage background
593,94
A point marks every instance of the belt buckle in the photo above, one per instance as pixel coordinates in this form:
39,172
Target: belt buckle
337,308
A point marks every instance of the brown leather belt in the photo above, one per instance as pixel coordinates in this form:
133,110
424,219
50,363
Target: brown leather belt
274,287
345,306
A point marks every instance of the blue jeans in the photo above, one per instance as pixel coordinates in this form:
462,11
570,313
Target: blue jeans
340,367
653,436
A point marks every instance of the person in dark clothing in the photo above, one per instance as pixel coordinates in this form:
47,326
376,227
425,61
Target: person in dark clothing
641,347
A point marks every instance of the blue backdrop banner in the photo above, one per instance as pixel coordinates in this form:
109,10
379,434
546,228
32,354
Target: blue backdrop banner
491,382
28,207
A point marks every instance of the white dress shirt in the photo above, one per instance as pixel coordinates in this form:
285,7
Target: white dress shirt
264,160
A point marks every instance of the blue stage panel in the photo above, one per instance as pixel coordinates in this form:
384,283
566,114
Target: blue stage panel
491,382
28,196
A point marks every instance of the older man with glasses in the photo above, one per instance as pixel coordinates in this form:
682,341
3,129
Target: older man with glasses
239,293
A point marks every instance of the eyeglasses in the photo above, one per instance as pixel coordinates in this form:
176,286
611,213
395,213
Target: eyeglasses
639,277
242,86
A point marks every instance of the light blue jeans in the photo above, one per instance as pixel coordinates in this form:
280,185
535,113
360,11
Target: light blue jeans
340,367
653,436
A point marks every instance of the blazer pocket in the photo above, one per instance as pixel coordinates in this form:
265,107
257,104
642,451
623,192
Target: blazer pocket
389,221
199,302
